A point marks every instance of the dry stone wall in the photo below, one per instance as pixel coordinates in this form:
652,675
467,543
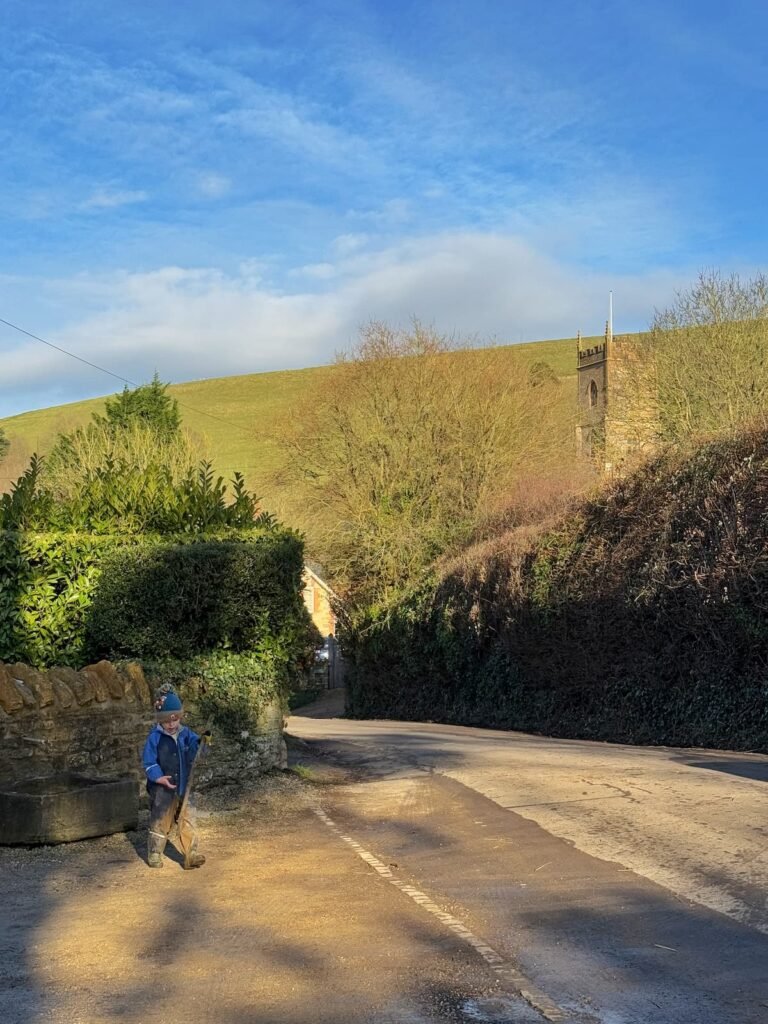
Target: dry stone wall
233,760
93,722
232,763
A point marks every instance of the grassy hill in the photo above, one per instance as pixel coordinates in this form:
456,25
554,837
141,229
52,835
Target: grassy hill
239,417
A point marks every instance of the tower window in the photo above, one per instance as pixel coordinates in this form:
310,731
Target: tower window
592,394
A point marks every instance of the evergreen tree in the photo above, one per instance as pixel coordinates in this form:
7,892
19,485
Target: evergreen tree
149,404
5,444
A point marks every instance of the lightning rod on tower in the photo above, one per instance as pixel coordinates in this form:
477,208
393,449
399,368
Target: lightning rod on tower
610,316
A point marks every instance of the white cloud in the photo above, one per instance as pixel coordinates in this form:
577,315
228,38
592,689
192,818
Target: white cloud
318,271
343,245
280,118
214,185
106,199
191,323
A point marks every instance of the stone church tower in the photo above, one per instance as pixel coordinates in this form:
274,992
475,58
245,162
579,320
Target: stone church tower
618,421
592,383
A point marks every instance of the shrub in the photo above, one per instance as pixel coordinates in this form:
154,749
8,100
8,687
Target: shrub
66,598
47,582
178,600
230,692
410,445
127,487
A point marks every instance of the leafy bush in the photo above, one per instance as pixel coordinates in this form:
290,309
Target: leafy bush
68,598
122,544
638,617
46,587
123,494
229,691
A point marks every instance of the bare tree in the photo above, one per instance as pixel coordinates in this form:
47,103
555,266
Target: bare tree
414,442
710,355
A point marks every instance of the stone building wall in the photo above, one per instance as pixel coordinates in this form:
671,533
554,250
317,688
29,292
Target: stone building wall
618,418
632,414
95,721
318,602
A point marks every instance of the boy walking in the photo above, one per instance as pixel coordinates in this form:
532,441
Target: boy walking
170,749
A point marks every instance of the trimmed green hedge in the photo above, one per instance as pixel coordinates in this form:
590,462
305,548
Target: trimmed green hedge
640,617
174,601
47,582
69,598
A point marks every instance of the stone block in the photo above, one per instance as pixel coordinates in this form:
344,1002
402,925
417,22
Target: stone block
105,681
271,719
64,695
67,807
114,684
126,684
43,690
37,682
28,698
100,688
135,673
80,685
10,699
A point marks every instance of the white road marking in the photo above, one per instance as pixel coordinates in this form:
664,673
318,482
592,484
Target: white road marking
502,967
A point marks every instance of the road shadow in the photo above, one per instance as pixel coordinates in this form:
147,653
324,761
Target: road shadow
330,704
386,752
740,765
591,934
648,957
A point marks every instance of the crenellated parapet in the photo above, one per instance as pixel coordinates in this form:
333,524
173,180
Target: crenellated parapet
590,356
616,402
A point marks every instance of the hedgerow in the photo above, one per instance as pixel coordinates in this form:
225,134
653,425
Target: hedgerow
120,545
69,598
177,600
47,581
640,616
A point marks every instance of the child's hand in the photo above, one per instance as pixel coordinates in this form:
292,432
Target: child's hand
165,780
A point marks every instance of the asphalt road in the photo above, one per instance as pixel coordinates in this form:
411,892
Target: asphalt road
607,883
285,924
414,874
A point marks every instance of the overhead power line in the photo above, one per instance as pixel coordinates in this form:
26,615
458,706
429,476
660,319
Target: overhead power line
72,355
117,376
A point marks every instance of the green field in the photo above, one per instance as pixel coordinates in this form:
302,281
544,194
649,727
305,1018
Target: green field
239,417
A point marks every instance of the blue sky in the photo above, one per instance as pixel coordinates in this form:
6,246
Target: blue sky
205,189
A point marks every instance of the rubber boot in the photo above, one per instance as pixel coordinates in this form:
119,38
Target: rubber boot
155,847
193,860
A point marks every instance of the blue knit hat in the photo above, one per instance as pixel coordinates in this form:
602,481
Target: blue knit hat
167,703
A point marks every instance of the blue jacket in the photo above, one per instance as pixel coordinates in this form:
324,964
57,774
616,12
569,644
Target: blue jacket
169,755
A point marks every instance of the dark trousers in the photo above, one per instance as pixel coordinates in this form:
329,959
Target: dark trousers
164,806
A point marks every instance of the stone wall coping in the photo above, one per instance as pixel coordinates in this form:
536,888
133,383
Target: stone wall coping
27,690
